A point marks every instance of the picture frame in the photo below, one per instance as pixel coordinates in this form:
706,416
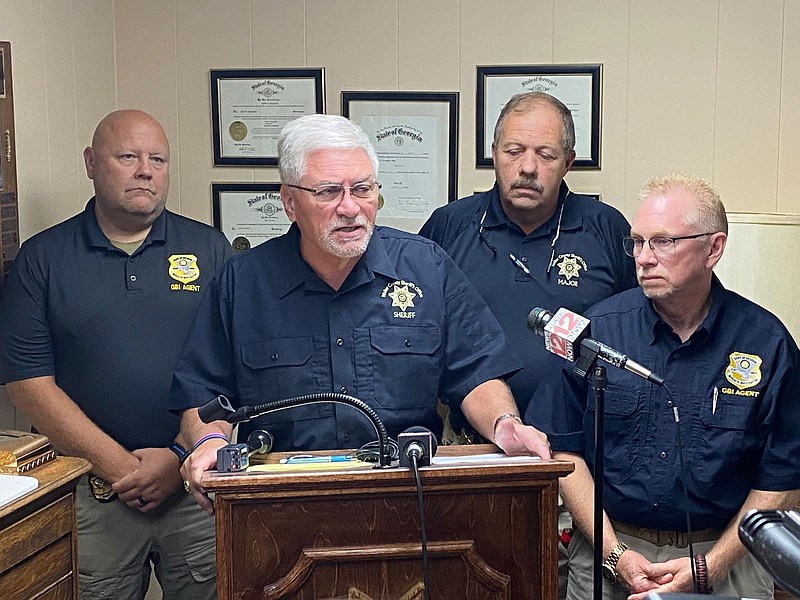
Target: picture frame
579,86
248,213
415,135
249,107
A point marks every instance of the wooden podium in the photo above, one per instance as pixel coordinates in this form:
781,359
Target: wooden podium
354,535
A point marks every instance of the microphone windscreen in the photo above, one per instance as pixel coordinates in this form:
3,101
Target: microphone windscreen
537,319
419,429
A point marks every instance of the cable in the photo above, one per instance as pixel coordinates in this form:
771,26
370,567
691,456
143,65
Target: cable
371,451
423,530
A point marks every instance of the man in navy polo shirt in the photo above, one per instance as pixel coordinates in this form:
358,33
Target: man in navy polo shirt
732,371
529,241
94,315
340,305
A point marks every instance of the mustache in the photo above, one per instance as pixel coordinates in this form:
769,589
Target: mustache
527,182
358,221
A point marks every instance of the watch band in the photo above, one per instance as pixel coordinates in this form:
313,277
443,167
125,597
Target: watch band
610,563
503,417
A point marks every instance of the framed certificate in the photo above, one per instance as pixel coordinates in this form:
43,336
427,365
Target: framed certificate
577,86
248,213
249,107
416,137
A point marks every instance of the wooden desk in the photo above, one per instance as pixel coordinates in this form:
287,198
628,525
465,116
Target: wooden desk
339,535
38,534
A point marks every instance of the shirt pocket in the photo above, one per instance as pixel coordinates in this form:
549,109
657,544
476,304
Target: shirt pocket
276,369
401,365
624,430
724,443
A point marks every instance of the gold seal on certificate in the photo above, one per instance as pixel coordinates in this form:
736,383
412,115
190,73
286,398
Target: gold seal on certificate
240,244
238,131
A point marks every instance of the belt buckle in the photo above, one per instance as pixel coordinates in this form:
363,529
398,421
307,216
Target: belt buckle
101,489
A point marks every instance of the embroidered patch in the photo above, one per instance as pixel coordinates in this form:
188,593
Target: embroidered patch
183,267
403,294
744,370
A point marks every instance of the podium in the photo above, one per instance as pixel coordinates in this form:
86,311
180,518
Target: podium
354,535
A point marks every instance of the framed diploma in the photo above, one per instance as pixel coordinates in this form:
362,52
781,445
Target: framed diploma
248,213
577,86
249,107
416,137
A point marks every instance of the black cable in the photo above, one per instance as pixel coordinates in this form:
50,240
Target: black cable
683,485
423,531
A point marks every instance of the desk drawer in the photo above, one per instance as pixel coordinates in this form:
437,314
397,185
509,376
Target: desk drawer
39,572
36,531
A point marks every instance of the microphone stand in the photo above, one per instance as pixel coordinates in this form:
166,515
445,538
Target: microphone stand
586,366
220,409
599,383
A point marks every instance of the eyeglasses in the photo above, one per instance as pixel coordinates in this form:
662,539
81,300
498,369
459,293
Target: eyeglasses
661,246
333,192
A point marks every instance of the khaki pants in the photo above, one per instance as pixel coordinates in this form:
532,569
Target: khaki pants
747,578
117,545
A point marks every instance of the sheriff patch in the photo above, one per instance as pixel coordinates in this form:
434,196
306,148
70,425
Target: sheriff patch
403,294
183,268
569,269
743,371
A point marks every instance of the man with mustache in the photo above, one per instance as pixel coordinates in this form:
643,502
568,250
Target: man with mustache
91,323
529,241
732,374
340,305
565,247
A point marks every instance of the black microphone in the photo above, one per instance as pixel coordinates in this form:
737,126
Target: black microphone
416,442
221,409
773,538
566,334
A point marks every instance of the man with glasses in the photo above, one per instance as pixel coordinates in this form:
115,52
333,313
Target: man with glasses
340,305
732,374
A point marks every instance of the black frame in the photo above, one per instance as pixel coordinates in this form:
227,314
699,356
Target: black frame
317,74
482,129
449,98
217,189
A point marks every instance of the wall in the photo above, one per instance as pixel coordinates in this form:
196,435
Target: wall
711,87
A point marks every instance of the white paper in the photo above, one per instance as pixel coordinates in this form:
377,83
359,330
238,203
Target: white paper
15,486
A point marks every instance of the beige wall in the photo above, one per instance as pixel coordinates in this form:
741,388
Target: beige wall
710,87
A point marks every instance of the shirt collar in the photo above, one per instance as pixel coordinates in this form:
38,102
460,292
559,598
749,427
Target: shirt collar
571,219
704,329
98,239
296,271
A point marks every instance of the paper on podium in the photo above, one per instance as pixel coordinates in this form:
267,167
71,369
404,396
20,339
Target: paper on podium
497,458
14,486
295,467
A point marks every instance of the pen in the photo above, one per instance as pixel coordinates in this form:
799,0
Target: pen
714,401
299,460
519,263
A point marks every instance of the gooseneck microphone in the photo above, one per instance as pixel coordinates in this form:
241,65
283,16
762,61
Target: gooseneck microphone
220,409
566,334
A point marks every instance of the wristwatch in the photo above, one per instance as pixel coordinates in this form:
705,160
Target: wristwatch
610,563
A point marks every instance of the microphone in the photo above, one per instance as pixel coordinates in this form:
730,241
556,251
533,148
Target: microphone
221,409
773,538
566,334
416,442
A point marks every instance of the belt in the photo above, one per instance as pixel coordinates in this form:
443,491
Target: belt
662,537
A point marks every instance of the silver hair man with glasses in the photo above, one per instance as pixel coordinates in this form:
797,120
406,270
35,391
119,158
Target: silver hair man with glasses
340,305
732,373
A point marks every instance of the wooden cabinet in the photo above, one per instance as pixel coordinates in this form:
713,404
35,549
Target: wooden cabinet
38,557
